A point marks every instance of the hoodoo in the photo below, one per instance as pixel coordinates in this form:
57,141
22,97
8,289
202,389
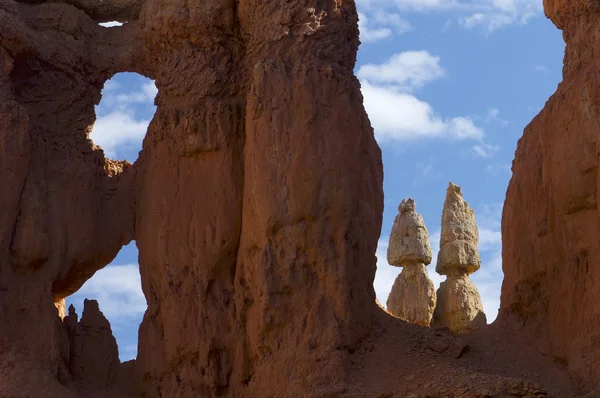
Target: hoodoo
413,295
459,304
256,204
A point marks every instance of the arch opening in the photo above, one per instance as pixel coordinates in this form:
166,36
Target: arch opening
118,290
123,115
112,24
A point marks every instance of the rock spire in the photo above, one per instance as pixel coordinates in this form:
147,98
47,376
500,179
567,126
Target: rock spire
413,295
459,304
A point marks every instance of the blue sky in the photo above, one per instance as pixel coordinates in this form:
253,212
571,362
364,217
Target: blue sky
449,86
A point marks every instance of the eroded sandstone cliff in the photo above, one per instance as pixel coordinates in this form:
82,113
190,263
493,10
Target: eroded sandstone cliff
551,222
258,191
256,204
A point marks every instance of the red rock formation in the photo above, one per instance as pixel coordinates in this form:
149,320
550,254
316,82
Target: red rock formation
93,351
275,223
256,202
62,216
551,222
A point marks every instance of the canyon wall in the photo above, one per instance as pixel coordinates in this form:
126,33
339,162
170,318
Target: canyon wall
256,202
551,220
65,211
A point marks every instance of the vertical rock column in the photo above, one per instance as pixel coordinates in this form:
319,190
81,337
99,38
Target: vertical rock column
413,295
459,305
312,201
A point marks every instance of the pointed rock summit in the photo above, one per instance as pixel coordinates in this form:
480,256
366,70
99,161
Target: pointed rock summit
413,295
94,354
459,304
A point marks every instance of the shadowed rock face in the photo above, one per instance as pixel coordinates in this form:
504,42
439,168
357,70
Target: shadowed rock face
551,222
256,202
93,351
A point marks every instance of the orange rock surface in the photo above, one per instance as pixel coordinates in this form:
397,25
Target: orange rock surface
551,221
256,204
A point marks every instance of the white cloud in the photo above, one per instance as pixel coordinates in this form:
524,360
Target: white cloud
118,129
378,26
370,35
485,150
118,290
386,274
396,115
542,68
407,70
493,116
147,93
489,15
495,14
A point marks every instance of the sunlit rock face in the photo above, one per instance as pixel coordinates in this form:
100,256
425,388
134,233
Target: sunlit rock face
413,294
551,221
459,305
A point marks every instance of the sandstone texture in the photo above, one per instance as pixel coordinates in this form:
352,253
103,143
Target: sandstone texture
551,219
459,235
459,305
93,351
409,240
256,201
413,294
256,204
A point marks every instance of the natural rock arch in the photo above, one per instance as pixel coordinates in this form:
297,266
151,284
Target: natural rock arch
123,115
238,202
256,202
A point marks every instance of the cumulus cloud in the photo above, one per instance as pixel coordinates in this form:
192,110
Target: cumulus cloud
488,279
386,274
118,290
490,15
485,150
495,14
406,70
118,128
378,26
146,94
394,111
